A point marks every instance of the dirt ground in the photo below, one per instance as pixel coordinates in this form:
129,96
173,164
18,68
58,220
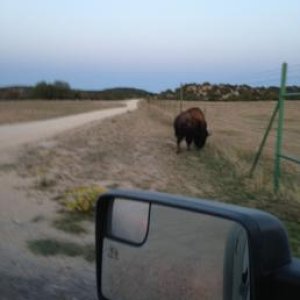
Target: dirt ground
134,150
137,149
33,110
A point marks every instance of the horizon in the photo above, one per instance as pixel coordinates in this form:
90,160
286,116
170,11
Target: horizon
151,46
149,91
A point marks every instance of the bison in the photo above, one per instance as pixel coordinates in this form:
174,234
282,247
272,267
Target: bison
191,125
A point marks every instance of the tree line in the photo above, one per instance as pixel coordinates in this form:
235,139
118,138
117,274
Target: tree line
59,90
225,92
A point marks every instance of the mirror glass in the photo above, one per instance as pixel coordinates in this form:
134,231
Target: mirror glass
128,220
185,255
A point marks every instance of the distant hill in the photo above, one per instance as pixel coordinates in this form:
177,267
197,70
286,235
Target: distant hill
114,94
61,90
224,92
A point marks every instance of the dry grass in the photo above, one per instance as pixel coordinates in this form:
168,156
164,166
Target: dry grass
241,125
237,131
137,150
33,110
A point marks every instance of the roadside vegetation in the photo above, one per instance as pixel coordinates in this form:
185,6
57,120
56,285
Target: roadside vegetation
70,223
228,159
138,150
50,247
82,200
232,184
77,206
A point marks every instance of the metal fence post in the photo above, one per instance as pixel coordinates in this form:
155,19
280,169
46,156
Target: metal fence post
278,147
181,97
262,144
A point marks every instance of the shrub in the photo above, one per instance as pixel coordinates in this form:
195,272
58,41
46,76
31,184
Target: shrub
82,199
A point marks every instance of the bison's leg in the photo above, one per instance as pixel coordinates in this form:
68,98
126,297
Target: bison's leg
189,140
179,139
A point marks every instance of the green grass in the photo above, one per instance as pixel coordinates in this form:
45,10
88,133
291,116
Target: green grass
69,223
77,205
52,247
49,247
293,229
82,199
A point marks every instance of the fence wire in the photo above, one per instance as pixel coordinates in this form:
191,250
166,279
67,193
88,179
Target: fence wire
238,127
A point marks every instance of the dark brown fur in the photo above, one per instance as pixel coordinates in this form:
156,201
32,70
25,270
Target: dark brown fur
191,125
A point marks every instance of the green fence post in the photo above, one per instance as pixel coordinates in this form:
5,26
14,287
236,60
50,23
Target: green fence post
262,144
277,169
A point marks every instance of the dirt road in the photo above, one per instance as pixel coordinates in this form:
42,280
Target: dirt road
22,274
14,135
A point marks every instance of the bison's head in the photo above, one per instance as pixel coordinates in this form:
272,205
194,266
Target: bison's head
200,138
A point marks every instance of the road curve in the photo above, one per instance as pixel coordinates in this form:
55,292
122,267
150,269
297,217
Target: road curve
22,133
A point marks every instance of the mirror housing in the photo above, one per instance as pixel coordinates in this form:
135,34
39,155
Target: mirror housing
269,250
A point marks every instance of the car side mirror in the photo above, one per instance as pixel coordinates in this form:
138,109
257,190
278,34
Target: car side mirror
159,246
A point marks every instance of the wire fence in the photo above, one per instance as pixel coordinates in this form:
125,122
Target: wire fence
284,123
243,123
239,126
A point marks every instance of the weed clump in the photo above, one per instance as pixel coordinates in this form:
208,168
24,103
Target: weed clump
49,247
52,247
69,223
82,199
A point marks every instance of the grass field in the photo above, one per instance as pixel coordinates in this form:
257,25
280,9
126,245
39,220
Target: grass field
138,150
33,110
237,129
241,125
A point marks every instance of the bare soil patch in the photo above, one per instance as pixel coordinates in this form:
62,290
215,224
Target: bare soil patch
33,110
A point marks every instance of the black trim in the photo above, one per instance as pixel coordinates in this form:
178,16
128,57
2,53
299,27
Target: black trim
101,210
285,283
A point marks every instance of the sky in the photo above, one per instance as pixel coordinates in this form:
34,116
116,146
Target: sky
153,45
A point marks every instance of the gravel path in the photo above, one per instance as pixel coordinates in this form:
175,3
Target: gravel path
17,134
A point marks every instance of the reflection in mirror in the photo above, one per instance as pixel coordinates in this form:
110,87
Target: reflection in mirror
236,265
129,220
184,256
